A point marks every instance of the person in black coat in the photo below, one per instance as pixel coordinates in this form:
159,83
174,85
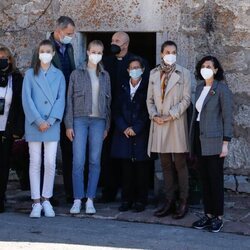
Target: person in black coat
116,65
130,138
11,115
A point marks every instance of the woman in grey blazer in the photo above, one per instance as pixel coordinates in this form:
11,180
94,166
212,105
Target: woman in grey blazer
210,133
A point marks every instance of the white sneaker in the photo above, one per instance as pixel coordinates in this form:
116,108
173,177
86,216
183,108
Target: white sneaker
76,208
36,210
48,209
90,209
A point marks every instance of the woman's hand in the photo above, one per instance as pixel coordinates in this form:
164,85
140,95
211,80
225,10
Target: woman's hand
159,120
70,133
43,127
129,132
105,134
224,151
167,118
126,132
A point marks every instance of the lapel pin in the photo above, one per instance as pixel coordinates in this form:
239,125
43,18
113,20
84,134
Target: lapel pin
212,92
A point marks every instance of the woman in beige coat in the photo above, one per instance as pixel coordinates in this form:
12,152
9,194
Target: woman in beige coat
168,98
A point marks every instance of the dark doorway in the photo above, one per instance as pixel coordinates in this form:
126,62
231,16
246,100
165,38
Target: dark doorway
141,43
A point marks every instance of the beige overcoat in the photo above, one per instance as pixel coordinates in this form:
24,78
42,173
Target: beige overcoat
172,136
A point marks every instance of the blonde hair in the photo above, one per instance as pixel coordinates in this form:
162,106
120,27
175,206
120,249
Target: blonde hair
96,43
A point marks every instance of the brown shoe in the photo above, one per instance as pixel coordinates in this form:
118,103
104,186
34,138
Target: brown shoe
181,210
167,208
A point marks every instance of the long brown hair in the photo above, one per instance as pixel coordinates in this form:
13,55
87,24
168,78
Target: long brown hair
11,58
36,62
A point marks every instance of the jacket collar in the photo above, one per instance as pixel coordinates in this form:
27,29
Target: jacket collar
84,67
175,76
43,83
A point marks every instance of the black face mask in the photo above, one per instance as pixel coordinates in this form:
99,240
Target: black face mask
4,73
4,63
115,49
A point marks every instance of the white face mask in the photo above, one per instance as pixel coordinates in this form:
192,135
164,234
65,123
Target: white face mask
45,57
66,39
169,59
206,73
135,73
95,58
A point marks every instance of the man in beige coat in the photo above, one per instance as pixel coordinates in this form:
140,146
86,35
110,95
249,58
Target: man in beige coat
169,94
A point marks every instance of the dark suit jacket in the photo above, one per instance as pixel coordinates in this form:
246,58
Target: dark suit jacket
56,60
215,118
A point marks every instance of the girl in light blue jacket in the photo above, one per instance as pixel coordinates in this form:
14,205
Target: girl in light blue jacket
43,98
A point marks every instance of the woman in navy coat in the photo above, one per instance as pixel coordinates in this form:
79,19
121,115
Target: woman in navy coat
43,98
131,137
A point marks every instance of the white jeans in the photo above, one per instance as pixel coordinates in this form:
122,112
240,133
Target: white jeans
50,149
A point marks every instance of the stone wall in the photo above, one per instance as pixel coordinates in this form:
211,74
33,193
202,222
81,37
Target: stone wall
200,27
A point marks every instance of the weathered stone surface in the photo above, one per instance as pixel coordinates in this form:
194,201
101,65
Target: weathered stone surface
230,182
243,183
238,160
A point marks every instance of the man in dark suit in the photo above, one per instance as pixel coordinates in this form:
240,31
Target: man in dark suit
64,60
116,64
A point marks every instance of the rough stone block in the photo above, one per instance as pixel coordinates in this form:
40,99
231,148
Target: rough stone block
243,184
230,182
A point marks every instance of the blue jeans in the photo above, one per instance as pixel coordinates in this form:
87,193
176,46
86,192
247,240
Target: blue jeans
92,128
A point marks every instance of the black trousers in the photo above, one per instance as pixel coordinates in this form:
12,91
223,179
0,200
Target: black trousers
111,170
5,155
135,179
67,161
212,178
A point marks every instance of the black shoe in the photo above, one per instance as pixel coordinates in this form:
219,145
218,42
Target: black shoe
216,225
138,207
202,223
125,206
2,208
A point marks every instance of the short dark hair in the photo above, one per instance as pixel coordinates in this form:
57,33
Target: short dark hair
220,73
136,59
36,62
168,43
64,21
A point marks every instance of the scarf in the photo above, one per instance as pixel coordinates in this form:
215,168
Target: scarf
166,72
